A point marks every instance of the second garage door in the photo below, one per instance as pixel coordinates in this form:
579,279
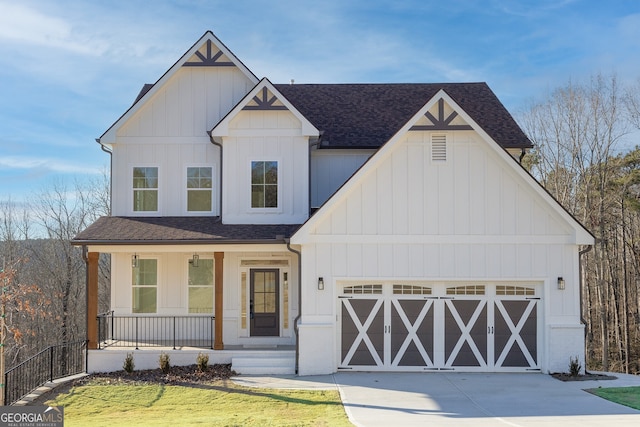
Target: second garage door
420,327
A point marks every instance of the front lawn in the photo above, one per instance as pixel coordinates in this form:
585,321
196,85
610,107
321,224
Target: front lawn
628,396
221,403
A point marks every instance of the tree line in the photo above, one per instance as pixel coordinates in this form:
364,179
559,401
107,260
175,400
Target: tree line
582,133
43,277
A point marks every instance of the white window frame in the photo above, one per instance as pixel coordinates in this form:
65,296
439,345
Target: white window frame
134,189
186,260
186,211
278,208
157,285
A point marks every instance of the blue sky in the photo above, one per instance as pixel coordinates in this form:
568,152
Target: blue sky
70,68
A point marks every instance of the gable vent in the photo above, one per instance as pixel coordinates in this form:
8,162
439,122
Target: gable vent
439,148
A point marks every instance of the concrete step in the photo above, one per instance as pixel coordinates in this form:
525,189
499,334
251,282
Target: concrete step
264,365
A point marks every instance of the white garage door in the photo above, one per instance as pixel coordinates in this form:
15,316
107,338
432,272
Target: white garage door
419,327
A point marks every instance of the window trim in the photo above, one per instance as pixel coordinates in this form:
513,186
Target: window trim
185,204
133,190
278,208
186,259
289,309
156,287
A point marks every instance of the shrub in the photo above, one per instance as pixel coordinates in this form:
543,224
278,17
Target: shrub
165,363
129,366
574,366
202,361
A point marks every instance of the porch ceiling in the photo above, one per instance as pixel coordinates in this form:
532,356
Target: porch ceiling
118,230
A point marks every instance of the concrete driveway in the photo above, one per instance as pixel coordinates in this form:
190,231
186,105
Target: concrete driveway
464,399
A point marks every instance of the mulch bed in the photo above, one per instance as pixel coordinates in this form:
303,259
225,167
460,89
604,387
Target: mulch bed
177,375
584,377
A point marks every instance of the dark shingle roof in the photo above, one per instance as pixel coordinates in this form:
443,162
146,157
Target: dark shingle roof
174,229
368,115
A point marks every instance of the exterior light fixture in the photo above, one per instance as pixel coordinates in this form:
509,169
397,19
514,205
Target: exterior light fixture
320,284
561,283
134,261
194,260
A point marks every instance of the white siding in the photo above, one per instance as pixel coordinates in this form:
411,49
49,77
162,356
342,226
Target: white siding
268,136
190,103
170,132
171,157
469,219
173,288
330,169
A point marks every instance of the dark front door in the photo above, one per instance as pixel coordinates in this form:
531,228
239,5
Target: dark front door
264,304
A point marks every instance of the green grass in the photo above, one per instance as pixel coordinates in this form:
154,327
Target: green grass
219,404
627,396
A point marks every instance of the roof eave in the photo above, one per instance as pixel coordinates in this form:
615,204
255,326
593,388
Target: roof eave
87,242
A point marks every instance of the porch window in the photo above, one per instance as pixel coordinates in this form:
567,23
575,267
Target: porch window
199,184
145,189
264,184
201,287
145,286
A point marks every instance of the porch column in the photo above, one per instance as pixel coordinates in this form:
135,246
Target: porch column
219,306
92,300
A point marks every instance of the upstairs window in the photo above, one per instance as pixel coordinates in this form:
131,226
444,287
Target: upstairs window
264,184
145,189
199,184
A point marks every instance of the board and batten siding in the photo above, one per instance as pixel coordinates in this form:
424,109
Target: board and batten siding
471,219
332,168
169,132
171,156
190,103
172,286
266,136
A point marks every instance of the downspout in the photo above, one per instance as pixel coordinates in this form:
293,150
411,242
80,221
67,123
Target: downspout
297,319
220,186
580,285
110,153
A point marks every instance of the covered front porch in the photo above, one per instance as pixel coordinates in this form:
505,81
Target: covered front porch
236,301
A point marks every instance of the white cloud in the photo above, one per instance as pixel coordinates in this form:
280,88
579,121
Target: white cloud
46,164
23,25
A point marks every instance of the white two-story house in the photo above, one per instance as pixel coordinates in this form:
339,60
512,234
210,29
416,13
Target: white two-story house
311,228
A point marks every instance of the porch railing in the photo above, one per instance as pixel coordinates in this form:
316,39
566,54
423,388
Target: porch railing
55,362
155,331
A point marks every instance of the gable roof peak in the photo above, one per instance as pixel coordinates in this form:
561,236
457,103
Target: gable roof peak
264,96
223,57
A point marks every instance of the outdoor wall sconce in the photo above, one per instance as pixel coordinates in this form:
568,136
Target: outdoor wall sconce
194,260
320,284
561,283
134,261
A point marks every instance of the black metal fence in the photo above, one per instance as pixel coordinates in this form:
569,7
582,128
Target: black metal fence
55,362
155,331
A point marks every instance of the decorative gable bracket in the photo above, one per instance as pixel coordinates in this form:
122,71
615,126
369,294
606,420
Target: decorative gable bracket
208,60
441,122
264,97
265,103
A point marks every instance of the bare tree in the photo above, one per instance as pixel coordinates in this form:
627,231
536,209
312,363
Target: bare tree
50,264
576,132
